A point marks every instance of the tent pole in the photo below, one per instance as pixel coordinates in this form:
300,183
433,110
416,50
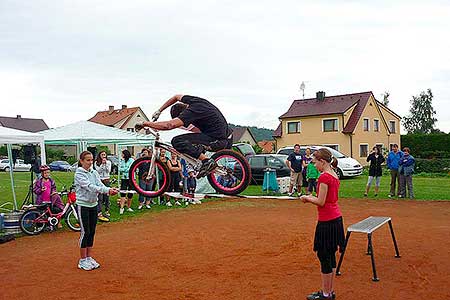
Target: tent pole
10,158
43,154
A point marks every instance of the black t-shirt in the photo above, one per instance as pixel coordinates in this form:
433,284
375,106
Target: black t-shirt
205,116
296,161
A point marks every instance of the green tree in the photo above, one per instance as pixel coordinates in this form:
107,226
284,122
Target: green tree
421,114
386,98
257,148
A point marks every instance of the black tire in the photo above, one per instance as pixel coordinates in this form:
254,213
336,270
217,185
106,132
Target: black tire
72,220
339,173
245,181
135,183
27,223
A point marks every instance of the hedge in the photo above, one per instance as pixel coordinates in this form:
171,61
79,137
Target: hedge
434,145
439,165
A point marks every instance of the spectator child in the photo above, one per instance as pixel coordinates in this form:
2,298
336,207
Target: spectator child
87,187
103,166
124,168
311,175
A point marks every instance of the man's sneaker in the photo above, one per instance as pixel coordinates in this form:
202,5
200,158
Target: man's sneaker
168,204
208,165
365,194
390,196
147,206
93,262
290,194
121,211
319,296
107,214
84,264
103,219
130,209
177,203
196,201
140,206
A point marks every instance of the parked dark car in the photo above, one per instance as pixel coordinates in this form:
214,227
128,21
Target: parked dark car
60,165
260,162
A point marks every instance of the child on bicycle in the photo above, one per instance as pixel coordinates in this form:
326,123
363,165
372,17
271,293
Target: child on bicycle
45,190
87,186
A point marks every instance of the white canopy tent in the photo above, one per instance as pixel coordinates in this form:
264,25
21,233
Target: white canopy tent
85,133
11,137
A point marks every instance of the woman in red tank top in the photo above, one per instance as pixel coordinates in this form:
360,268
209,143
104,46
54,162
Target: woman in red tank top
330,229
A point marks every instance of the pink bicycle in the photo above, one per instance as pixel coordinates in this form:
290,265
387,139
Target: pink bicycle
36,218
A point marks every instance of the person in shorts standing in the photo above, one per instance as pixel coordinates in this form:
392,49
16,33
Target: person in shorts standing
296,163
375,170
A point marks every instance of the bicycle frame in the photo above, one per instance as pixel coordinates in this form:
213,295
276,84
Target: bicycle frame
196,163
59,215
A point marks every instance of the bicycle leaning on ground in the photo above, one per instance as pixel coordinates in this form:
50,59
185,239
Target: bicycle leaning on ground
157,172
37,217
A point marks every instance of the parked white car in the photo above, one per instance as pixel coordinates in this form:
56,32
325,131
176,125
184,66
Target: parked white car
19,166
347,166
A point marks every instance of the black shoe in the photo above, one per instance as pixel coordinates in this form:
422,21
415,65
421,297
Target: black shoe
208,165
319,296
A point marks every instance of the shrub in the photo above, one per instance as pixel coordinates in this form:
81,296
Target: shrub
427,145
440,165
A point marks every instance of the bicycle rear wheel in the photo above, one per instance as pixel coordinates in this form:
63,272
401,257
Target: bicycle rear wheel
33,222
232,175
156,185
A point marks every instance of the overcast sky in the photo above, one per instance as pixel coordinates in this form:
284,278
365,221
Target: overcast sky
65,60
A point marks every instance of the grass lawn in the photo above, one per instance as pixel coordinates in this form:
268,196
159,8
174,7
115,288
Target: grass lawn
425,188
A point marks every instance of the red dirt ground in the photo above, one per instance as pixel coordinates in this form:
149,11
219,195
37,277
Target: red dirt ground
235,249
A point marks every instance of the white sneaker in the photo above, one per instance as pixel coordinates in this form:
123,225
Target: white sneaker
177,203
195,201
93,262
169,204
84,264
290,194
130,209
148,206
140,206
121,211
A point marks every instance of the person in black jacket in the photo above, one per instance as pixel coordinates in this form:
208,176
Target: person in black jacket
375,171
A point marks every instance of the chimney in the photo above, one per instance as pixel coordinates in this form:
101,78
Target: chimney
124,106
19,116
111,109
320,95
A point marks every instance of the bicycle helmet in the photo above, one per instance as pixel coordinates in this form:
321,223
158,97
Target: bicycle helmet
44,168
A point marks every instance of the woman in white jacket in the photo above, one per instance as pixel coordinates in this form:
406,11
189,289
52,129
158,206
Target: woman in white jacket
87,187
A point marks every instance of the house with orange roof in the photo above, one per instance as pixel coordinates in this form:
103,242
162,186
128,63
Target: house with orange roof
123,118
351,124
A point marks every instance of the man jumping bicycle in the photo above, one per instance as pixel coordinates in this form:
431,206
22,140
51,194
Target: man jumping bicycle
214,132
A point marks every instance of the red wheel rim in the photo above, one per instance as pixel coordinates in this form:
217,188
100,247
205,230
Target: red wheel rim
241,182
162,181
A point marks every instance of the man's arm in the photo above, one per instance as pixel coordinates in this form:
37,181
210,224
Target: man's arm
164,125
171,101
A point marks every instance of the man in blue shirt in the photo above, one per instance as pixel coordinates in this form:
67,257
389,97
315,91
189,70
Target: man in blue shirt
393,159
296,163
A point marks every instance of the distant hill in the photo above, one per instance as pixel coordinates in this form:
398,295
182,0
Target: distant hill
259,133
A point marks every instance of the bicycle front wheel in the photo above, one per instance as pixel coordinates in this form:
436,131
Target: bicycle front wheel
149,186
33,222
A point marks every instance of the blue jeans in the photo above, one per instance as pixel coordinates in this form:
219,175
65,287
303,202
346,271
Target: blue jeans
146,186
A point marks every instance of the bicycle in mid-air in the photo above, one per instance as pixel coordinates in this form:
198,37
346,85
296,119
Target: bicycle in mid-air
230,164
37,217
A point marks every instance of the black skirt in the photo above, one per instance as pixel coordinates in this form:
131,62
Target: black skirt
329,236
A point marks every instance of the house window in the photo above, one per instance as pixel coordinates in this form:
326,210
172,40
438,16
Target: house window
366,124
392,126
376,125
363,150
130,129
330,125
294,127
